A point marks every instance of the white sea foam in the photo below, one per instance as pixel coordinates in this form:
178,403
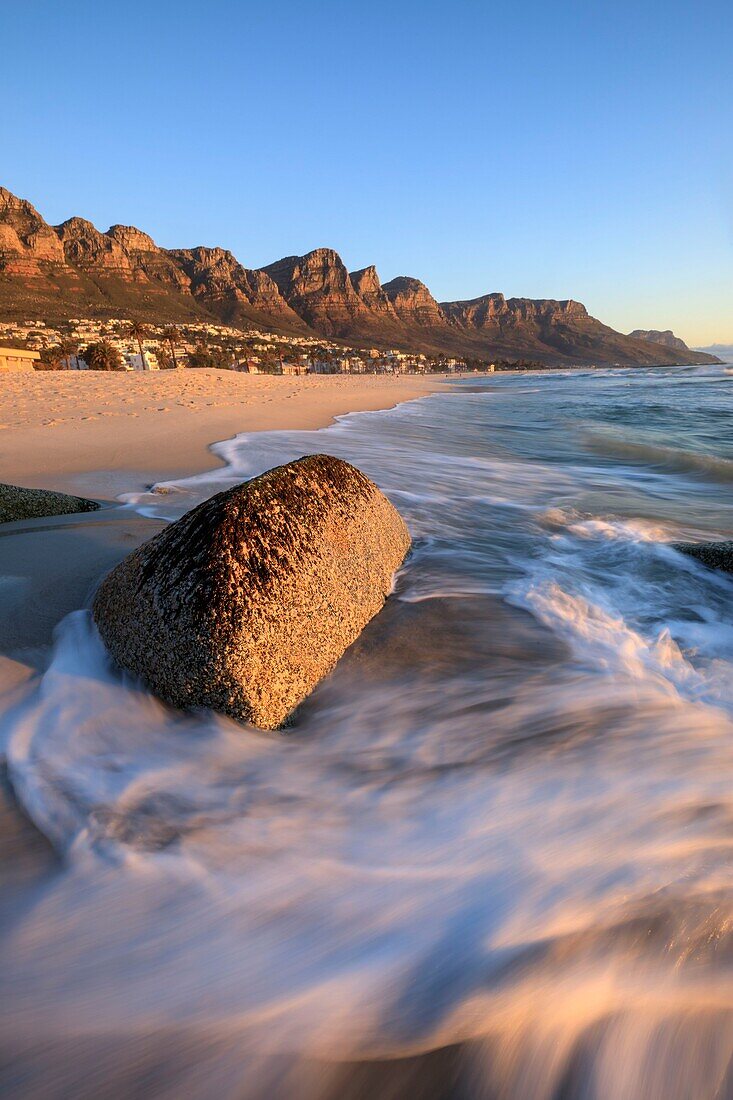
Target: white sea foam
502,836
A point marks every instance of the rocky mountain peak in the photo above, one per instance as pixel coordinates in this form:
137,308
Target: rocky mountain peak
18,209
317,286
366,280
548,308
26,240
665,337
132,239
413,302
236,294
319,270
368,286
87,248
204,258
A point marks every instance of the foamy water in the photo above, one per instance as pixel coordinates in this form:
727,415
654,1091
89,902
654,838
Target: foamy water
493,857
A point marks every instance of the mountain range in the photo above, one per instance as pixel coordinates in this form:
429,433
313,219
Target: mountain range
54,273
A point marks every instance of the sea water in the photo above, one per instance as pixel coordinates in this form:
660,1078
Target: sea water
493,858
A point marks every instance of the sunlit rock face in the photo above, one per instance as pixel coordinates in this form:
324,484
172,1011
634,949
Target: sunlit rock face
249,600
317,286
367,285
232,292
85,247
26,241
413,302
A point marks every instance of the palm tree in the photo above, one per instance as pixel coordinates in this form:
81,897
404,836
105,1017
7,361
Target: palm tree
103,356
172,335
67,350
233,348
138,331
163,355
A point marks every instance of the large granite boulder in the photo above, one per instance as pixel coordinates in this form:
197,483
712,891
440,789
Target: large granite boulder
16,502
716,555
249,600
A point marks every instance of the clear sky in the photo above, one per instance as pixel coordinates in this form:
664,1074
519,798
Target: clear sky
576,149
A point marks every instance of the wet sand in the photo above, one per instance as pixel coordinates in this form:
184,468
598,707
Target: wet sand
102,434
99,434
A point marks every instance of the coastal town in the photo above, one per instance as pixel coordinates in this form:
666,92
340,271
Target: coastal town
158,347
126,345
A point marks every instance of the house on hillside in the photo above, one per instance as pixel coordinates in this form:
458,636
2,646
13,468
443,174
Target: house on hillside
322,366
134,361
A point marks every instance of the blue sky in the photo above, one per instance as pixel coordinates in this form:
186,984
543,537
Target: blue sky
577,150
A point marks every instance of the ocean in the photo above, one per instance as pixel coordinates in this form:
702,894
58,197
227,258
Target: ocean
492,858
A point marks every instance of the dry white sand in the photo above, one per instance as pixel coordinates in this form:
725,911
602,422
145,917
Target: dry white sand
85,430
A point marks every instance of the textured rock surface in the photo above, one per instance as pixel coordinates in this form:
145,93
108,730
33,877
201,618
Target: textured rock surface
17,502
87,248
413,302
319,289
26,241
666,338
716,555
147,261
249,600
367,285
235,294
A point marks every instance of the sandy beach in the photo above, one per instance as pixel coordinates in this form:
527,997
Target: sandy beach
102,434
507,804
98,433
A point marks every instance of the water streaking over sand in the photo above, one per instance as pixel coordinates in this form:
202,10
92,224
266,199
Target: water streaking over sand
492,858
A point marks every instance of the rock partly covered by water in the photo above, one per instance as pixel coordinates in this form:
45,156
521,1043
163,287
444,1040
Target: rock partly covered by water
249,600
716,555
16,502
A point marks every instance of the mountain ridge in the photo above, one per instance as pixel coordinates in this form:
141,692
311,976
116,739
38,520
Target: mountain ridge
665,337
73,269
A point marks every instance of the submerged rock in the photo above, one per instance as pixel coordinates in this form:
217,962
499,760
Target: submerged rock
16,502
249,600
716,555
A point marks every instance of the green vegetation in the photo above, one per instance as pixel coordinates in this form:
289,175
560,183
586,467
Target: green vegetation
59,356
102,356
138,331
164,357
204,355
173,336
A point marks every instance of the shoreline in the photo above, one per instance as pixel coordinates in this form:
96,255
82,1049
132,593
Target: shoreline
98,435
101,435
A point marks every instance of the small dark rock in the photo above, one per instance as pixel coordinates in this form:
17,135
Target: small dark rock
716,555
16,502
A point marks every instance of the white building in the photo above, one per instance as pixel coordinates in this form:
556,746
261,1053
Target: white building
134,361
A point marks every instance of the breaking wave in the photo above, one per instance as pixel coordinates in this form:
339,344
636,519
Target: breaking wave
491,859
658,454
